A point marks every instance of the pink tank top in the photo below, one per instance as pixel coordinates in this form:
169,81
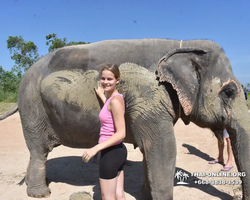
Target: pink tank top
107,121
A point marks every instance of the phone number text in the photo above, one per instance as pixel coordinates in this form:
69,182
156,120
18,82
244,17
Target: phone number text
218,182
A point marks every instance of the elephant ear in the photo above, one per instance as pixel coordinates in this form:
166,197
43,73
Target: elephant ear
180,68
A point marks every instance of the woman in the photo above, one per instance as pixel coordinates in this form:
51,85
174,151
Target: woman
228,166
113,151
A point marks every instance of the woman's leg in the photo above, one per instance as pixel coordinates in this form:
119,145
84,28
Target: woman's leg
221,149
120,186
229,152
108,188
113,189
220,158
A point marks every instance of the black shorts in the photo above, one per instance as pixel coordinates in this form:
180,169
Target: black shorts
112,161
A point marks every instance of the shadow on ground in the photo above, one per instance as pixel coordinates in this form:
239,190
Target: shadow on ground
194,151
72,170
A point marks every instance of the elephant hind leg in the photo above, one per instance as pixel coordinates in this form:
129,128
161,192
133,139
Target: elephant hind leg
40,143
39,135
36,176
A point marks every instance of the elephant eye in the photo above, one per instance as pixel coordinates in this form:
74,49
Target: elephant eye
228,92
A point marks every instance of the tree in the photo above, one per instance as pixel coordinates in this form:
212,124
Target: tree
75,43
9,81
24,53
54,42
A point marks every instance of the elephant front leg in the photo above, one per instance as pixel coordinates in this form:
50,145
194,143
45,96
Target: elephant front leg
159,159
36,176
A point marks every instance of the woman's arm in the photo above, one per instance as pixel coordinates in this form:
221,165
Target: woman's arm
117,110
100,92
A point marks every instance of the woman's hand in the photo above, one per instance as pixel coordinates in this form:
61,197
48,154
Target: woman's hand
89,153
100,92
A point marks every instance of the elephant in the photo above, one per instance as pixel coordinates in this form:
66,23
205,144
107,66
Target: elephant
162,80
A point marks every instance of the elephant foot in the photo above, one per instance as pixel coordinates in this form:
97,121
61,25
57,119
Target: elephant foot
38,192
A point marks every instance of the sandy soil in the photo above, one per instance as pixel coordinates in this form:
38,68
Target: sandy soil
67,174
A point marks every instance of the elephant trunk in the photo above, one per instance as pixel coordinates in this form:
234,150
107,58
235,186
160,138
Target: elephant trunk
239,131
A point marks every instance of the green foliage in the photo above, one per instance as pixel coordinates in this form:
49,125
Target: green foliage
24,53
8,97
75,43
9,83
55,43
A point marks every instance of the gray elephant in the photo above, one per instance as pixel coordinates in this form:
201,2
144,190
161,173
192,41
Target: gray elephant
162,80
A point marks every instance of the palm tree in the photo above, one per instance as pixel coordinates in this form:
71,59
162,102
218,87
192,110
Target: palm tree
185,176
181,176
178,174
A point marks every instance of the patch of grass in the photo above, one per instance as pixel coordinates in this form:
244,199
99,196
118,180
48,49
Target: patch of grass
8,97
5,107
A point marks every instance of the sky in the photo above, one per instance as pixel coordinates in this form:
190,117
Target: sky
226,22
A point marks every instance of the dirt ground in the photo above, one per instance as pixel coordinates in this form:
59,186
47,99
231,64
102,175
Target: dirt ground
67,173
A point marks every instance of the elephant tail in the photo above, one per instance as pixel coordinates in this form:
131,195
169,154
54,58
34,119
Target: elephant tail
15,109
